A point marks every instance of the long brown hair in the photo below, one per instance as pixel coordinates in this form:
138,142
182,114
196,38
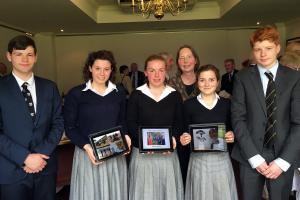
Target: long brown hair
194,54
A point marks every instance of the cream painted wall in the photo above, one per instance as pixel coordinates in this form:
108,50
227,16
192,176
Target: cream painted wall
46,60
212,46
61,58
6,35
293,28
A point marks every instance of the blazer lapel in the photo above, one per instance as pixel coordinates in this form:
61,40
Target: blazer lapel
39,99
257,84
280,80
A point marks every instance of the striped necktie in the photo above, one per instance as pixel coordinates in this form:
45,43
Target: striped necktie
271,106
28,99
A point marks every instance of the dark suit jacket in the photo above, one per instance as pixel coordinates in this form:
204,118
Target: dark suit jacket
249,115
226,83
141,78
19,135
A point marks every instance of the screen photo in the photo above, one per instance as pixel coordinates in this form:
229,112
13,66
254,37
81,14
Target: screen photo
156,138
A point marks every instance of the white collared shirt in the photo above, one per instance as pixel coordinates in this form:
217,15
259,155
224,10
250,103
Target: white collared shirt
200,99
146,90
110,88
30,87
264,79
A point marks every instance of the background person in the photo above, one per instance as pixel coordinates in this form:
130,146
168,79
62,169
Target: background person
123,79
3,69
291,59
171,70
137,77
293,46
185,83
228,77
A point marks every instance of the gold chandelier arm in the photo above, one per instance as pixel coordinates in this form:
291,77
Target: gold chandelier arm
170,7
159,7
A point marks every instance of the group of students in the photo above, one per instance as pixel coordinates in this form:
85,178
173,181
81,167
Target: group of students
98,104
27,167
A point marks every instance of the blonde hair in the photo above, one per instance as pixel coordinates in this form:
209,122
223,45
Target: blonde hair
291,59
293,46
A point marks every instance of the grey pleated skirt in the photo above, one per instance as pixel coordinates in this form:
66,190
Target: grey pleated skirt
155,177
210,177
107,181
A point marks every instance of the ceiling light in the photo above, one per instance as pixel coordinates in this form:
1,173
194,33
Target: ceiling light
29,34
159,7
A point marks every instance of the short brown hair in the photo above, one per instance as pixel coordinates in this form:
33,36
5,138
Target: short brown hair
229,60
208,67
291,59
268,32
21,42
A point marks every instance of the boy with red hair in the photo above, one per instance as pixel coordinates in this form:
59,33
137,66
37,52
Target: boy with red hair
266,120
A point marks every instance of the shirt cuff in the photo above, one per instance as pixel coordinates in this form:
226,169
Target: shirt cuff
256,160
284,166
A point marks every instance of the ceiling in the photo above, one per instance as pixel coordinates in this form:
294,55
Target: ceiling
107,16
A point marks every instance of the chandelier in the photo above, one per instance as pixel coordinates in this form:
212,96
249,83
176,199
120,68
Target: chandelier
159,7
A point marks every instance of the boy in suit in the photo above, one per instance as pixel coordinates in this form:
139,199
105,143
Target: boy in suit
266,120
30,127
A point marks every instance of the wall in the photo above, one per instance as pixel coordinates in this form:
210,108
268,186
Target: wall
46,61
212,46
61,58
5,35
293,28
